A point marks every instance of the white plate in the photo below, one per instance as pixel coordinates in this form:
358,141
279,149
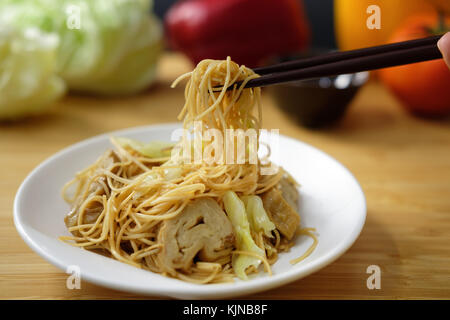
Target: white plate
331,201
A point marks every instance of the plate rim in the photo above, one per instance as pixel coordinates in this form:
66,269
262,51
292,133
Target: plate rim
193,291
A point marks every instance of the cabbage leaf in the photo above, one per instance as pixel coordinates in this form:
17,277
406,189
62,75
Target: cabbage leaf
154,149
28,80
235,210
257,215
105,46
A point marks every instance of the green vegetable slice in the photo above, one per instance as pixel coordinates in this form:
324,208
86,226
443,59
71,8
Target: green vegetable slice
257,216
235,209
154,149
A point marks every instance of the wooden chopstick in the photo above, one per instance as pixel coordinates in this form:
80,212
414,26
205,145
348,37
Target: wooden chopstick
343,55
346,62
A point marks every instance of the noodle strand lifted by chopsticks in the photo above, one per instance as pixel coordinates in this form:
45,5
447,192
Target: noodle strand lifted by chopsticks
120,202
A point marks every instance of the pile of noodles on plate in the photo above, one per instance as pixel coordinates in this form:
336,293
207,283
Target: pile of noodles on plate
200,221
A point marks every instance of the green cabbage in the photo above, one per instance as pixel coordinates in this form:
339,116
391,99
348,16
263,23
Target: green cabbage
106,46
257,216
236,212
154,149
28,82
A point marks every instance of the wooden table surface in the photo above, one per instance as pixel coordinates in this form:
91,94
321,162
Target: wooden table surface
402,163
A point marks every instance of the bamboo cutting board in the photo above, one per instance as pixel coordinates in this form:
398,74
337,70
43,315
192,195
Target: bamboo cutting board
402,163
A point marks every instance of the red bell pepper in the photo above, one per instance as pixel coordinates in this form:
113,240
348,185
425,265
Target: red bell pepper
249,31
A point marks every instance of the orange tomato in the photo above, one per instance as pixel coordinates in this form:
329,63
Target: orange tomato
351,18
423,87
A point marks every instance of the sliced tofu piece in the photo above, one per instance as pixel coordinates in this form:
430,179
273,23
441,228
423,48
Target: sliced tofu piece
280,203
202,229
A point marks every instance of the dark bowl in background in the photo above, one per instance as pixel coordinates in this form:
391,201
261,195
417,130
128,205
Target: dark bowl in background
320,102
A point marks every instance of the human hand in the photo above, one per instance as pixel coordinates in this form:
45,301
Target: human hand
444,46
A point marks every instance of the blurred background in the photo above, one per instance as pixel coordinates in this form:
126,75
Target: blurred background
319,13
113,48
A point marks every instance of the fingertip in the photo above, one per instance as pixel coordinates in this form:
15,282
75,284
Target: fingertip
444,43
444,46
